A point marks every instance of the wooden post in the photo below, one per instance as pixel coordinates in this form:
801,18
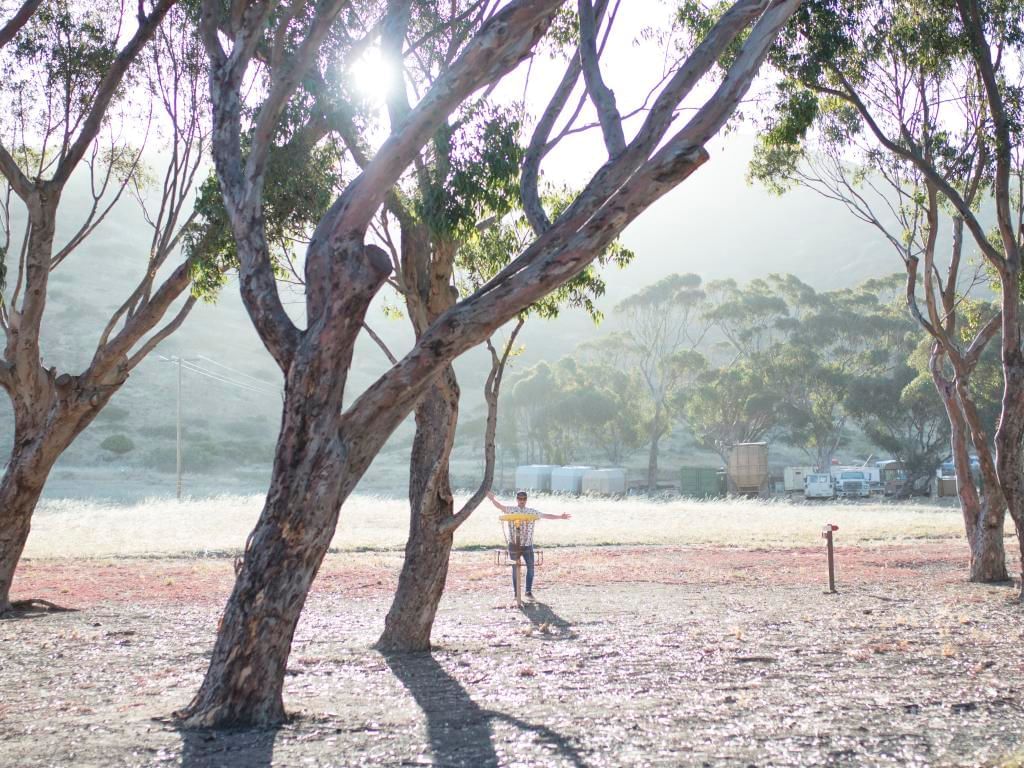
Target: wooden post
826,533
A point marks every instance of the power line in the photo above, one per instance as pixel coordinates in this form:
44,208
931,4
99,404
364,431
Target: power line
236,372
223,379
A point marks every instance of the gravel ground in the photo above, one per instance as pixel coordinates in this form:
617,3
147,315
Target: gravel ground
630,656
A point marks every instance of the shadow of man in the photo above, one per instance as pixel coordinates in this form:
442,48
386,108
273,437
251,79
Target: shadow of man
549,623
458,729
242,748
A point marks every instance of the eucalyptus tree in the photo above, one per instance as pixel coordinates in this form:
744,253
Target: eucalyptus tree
456,229
900,414
76,82
567,410
729,405
903,113
664,328
327,441
838,339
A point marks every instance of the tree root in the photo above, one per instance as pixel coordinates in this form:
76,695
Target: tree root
32,607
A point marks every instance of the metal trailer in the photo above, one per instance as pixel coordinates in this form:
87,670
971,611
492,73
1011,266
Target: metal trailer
793,478
819,485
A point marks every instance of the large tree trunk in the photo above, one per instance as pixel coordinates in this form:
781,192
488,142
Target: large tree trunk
20,489
1010,447
245,678
47,419
983,515
318,460
425,569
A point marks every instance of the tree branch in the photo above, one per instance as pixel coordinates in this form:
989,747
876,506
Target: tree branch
492,391
504,40
107,89
601,95
162,334
12,27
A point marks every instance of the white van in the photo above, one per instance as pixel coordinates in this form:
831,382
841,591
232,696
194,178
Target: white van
819,486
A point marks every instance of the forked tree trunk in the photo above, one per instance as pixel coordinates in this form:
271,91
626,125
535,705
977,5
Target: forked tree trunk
318,460
425,569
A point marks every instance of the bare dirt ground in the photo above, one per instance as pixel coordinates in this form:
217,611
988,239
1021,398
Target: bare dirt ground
631,656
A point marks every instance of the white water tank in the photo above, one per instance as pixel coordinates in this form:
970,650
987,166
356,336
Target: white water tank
605,482
568,479
534,477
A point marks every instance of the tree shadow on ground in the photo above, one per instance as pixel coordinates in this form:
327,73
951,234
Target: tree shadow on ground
241,748
459,729
32,609
549,623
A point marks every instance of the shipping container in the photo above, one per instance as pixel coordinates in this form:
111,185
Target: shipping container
534,477
568,479
700,482
605,482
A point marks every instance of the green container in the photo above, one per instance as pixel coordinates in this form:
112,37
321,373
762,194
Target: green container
700,482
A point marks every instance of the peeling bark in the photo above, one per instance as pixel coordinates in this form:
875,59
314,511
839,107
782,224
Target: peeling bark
983,515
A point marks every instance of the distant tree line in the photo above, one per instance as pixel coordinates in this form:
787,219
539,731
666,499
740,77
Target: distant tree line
772,359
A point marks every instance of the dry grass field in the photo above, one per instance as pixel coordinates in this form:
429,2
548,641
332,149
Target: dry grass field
220,524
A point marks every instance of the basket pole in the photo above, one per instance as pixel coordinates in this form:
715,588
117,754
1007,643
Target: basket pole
519,581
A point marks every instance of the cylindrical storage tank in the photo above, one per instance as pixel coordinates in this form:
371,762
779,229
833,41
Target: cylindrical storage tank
568,479
534,477
748,467
604,482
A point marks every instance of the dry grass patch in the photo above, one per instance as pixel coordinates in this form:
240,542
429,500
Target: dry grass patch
64,528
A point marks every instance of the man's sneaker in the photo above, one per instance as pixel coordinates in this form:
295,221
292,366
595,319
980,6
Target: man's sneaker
530,595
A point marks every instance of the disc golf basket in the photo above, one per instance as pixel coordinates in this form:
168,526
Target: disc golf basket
516,528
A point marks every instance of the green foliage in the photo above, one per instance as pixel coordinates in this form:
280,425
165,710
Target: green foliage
696,18
301,183
489,249
729,405
50,72
561,412
901,414
792,357
474,172
118,444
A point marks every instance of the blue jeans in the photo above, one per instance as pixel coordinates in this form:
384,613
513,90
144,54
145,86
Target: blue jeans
528,559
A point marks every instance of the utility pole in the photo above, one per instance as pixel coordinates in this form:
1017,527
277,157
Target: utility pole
177,441
178,361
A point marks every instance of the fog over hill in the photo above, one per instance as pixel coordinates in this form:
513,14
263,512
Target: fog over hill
714,225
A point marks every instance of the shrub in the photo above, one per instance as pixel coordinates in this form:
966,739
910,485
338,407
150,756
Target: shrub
119,444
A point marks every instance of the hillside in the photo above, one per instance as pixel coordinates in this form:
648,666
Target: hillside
229,431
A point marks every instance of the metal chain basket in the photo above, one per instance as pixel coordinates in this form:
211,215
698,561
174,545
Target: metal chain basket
518,530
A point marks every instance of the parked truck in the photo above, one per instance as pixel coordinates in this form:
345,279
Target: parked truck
819,485
853,483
